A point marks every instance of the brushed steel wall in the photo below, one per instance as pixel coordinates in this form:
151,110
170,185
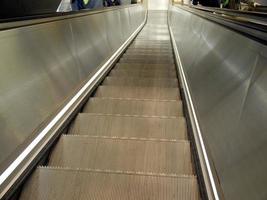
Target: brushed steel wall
227,77
42,66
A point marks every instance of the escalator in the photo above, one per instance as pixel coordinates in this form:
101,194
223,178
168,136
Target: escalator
130,139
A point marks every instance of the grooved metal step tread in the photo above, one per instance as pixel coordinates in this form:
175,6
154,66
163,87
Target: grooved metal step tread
153,42
138,92
142,56
141,66
141,60
70,184
150,50
141,82
154,32
149,54
134,107
162,38
148,47
160,46
131,127
148,40
143,73
83,152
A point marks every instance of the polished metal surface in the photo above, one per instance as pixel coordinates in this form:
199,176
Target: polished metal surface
128,142
226,74
44,64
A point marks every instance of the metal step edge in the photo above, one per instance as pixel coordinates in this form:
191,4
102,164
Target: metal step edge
139,116
118,172
128,138
134,99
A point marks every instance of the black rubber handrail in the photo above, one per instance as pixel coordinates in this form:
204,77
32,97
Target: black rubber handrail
255,29
16,22
250,14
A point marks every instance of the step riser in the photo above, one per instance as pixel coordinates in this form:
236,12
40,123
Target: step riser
138,93
147,66
55,184
143,73
122,60
122,155
130,127
136,108
140,82
141,56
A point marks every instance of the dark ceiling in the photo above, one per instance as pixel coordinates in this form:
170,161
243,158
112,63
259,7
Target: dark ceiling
18,8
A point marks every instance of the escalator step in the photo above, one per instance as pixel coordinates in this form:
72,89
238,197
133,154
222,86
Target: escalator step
134,107
149,50
130,127
138,92
136,53
120,154
149,36
141,66
143,56
69,184
146,45
142,73
151,42
142,60
140,82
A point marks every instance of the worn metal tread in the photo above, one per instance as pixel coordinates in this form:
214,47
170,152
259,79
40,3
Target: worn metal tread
148,66
153,42
129,66
123,155
166,38
149,47
150,50
72,184
156,46
143,73
142,60
149,54
134,107
138,92
129,126
143,56
141,82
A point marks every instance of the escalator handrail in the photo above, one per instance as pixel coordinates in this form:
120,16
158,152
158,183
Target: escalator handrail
252,28
17,22
250,14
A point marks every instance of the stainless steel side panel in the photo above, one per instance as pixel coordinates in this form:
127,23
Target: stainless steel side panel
41,66
227,77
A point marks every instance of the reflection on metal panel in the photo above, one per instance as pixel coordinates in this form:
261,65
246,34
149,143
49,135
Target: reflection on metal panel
43,65
227,76
158,4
